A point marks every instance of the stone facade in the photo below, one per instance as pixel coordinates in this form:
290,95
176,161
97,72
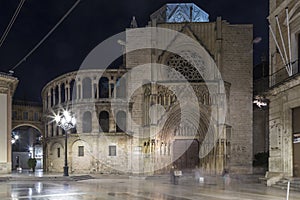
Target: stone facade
153,135
27,123
8,85
284,89
26,113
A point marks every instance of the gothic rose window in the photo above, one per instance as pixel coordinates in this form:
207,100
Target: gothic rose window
187,70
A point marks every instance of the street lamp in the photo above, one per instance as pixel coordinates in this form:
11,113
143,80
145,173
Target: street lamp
66,121
14,138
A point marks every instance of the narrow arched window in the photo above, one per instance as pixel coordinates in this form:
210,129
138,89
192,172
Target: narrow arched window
104,121
87,88
121,121
73,91
103,87
56,93
51,97
87,122
62,93
121,87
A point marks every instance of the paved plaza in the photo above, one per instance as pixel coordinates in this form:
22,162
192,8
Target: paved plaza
55,186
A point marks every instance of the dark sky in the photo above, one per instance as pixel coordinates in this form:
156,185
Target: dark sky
90,23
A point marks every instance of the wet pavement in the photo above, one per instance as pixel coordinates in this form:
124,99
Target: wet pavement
134,188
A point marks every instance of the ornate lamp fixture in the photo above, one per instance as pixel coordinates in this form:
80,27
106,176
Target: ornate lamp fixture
66,120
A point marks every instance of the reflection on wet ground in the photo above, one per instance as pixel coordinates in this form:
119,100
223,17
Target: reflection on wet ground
133,189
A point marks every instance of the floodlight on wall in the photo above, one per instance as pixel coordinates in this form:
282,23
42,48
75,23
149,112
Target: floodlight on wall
260,101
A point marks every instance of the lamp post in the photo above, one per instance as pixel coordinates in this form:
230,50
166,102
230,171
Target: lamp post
66,121
14,138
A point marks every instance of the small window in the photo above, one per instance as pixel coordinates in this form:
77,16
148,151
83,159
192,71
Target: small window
58,152
112,151
25,115
15,114
36,116
80,151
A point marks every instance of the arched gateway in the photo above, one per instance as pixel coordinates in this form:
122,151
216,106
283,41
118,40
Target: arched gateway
27,131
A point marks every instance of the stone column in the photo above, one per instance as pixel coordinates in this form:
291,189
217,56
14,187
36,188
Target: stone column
115,89
66,93
53,96
93,90
109,89
49,99
59,93
80,94
69,92
8,85
97,85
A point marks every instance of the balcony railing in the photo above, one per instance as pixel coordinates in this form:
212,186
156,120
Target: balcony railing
282,75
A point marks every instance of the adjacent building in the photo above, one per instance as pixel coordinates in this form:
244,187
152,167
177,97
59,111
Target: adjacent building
8,85
284,95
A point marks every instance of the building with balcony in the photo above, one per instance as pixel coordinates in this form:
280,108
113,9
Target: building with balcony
284,95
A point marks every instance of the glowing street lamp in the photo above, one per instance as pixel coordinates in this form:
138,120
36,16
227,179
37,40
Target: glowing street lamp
14,138
66,121
13,141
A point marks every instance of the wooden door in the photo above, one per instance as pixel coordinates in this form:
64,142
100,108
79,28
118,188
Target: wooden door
186,154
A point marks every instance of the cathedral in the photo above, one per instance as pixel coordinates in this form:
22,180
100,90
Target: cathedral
181,97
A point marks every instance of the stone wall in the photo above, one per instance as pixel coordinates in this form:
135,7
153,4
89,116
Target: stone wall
227,46
284,92
8,85
237,69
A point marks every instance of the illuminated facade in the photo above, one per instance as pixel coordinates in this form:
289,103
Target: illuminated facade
104,139
28,126
284,108
8,85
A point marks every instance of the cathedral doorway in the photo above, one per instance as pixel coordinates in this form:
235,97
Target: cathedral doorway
186,154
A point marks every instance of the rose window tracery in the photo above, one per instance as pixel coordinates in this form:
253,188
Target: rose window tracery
187,70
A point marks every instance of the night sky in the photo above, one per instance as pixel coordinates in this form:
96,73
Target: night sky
90,23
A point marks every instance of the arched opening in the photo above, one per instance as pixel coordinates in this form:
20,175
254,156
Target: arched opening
186,153
87,122
87,88
121,88
51,97
62,93
103,87
73,93
26,143
189,132
112,88
121,121
56,94
104,121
